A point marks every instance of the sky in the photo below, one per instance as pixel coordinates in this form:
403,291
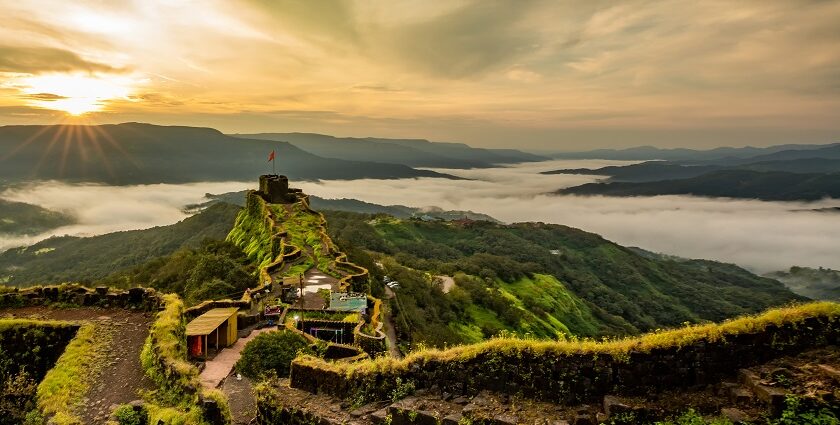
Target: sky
554,75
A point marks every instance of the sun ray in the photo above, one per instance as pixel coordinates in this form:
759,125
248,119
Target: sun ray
59,131
94,141
108,138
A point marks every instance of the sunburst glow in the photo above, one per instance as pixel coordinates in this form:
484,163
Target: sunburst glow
75,94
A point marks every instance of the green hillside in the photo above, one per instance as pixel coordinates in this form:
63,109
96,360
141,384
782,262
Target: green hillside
541,279
18,218
819,284
67,258
768,186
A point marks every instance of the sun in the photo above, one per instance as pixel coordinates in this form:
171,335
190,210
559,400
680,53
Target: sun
75,94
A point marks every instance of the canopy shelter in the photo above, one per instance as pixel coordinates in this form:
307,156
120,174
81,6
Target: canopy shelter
216,327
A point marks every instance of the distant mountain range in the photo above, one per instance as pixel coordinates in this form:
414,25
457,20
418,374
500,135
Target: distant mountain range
781,173
134,153
666,170
767,186
645,153
410,152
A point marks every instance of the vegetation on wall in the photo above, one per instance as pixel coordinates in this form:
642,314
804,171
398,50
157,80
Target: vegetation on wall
554,369
28,349
64,386
164,359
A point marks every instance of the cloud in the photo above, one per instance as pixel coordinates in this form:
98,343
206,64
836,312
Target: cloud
763,236
470,40
36,60
103,209
549,74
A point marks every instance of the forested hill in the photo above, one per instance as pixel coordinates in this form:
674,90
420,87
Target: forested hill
768,186
541,279
73,259
135,153
410,152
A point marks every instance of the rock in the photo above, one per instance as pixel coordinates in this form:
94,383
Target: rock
734,415
781,372
453,419
505,419
614,406
583,419
773,397
461,400
725,388
379,416
740,395
829,372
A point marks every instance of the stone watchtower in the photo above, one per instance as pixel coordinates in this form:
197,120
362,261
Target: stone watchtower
275,189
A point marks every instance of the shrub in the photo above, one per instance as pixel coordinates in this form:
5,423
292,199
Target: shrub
270,353
801,412
126,415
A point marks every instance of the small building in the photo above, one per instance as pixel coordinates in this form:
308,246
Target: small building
216,328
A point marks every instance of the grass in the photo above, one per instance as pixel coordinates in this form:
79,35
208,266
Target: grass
65,385
619,348
6,324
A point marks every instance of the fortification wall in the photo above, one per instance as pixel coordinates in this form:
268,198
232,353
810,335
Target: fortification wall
582,372
146,299
33,345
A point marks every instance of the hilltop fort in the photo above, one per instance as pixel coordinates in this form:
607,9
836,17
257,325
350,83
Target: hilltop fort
743,369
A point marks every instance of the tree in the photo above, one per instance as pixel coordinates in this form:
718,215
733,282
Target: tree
272,352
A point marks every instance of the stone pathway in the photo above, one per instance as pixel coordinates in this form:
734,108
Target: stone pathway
220,367
240,394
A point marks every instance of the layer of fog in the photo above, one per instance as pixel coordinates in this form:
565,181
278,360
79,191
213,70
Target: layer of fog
102,209
762,236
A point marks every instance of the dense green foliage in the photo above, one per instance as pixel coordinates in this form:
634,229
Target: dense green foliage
18,218
589,285
73,259
768,186
214,270
818,284
271,353
126,415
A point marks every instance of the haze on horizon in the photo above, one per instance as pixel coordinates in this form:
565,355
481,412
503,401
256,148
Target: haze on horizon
520,73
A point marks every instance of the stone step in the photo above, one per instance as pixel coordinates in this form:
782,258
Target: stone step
830,372
735,416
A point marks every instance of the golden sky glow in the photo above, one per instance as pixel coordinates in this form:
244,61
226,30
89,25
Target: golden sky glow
541,74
